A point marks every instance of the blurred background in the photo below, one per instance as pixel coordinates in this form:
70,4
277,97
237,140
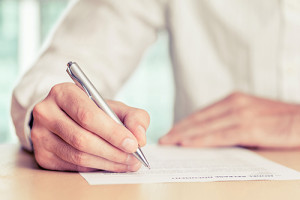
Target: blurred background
24,27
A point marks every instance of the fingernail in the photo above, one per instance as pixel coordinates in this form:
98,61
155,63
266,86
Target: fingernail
131,160
129,145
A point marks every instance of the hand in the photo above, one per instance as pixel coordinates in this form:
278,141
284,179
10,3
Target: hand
71,133
239,119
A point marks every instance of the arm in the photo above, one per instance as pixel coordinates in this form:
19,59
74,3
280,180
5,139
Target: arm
107,36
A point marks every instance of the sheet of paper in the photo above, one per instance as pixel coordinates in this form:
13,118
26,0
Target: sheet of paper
175,164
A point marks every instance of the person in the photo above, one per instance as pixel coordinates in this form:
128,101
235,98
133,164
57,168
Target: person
236,70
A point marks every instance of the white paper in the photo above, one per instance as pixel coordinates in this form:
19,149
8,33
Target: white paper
176,164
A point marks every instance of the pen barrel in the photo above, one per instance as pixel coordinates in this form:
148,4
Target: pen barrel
83,82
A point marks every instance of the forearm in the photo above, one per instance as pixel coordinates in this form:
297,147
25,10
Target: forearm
106,37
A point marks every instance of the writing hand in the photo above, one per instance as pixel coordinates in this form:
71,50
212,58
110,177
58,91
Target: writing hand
71,133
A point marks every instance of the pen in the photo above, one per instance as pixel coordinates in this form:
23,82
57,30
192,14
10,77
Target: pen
83,82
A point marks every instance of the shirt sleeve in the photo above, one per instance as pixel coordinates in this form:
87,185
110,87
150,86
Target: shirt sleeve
107,38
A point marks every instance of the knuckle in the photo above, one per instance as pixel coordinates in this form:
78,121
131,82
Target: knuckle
38,111
77,141
140,115
84,116
55,90
78,158
237,98
64,91
44,160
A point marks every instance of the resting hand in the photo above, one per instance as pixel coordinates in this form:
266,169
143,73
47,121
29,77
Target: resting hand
239,119
71,133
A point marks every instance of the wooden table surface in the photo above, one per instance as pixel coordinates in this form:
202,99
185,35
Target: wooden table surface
21,179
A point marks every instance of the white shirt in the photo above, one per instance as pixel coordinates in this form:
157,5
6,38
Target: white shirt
217,47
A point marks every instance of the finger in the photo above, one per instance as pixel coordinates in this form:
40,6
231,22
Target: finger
204,114
221,122
48,160
227,105
221,138
84,111
83,140
71,155
136,120
42,144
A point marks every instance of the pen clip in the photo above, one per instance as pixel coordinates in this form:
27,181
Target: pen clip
77,80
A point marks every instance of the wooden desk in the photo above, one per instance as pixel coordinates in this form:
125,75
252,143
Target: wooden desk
21,179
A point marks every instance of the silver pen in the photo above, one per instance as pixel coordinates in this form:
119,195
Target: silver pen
83,82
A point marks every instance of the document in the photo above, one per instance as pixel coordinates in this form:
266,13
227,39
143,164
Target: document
177,164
